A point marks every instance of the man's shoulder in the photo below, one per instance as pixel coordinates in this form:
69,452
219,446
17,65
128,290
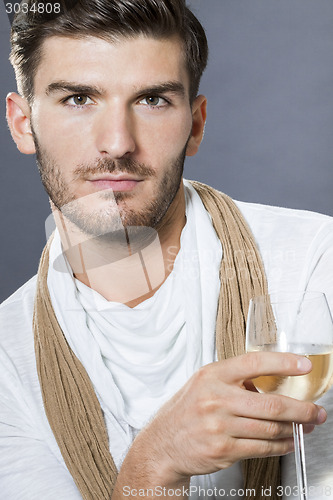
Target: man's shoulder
282,229
282,212
16,311
270,223
285,218
263,209
25,292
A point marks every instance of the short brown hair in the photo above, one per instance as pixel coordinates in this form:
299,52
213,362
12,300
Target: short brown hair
108,19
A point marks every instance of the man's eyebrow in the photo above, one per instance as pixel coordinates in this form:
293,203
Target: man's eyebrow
173,87
163,88
74,88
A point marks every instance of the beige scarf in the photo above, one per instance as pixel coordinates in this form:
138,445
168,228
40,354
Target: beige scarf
71,405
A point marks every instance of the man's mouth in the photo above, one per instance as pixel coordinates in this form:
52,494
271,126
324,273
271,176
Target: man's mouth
121,182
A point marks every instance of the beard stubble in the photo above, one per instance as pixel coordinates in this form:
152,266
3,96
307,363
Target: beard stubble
104,221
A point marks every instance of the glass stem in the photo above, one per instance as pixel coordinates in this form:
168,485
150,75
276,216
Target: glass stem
300,461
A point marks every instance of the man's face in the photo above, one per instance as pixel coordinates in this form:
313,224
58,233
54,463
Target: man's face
111,120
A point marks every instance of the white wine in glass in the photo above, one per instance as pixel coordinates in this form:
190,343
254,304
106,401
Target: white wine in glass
301,323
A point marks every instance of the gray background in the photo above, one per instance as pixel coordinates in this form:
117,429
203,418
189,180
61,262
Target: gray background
270,120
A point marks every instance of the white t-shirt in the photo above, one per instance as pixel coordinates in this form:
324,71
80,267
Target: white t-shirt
163,341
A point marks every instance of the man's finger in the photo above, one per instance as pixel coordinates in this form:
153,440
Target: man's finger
277,408
255,364
255,448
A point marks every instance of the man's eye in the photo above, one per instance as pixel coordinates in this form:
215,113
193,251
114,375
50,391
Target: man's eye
154,101
78,100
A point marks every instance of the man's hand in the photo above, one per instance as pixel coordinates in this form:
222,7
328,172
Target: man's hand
214,421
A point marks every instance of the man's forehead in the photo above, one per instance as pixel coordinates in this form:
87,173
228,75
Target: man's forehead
127,59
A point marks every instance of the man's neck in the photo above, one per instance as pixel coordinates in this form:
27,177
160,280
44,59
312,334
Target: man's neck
131,270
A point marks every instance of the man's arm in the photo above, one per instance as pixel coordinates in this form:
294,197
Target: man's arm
213,421
28,468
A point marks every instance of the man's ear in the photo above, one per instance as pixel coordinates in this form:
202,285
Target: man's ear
199,114
18,118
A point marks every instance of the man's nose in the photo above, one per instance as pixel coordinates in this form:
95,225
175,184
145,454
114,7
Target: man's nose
115,132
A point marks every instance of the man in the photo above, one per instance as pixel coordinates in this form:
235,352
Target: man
109,383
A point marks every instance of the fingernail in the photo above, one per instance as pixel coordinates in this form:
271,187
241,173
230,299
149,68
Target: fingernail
322,415
304,364
308,428
291,446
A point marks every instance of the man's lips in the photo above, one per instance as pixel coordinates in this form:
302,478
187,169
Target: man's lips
117,183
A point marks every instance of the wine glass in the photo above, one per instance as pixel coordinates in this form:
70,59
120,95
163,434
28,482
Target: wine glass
301,323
